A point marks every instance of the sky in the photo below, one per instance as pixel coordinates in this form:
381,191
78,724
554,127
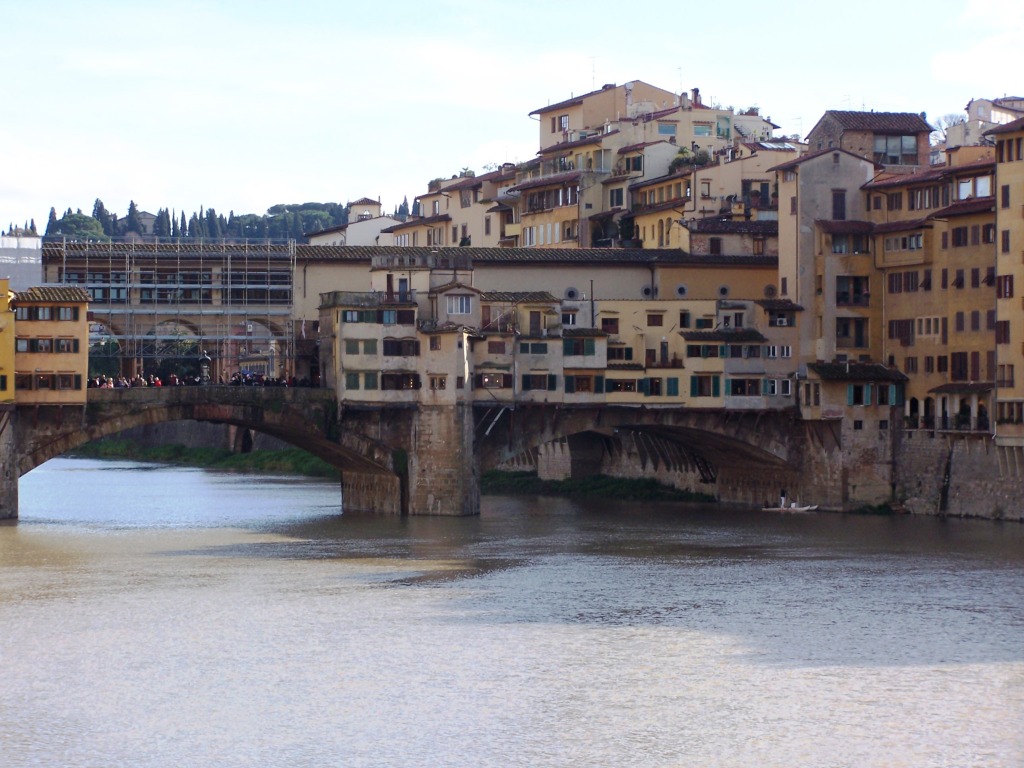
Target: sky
239,106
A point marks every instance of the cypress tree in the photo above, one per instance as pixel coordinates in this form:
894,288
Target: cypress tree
51,223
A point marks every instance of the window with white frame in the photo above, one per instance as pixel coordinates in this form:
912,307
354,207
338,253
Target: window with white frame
459,304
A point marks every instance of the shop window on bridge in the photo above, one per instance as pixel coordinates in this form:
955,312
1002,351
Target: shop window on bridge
705,386
23,381
584,384
579,347
743,387
539,381
44,381
395,381
620,385
493,381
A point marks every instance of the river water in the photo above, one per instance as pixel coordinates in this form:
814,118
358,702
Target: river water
155,616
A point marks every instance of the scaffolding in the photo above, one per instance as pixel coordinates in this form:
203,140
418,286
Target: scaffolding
231,299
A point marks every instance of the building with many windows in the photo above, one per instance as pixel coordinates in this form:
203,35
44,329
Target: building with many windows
51,354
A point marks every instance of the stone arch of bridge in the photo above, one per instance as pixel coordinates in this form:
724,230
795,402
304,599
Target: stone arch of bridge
721,438
50,432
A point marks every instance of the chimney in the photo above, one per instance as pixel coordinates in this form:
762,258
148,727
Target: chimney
695,97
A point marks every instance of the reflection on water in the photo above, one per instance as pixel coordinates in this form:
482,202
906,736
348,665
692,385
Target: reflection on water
156,617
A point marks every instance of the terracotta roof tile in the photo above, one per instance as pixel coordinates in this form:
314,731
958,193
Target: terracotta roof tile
779,305
519,297
426,221
1016,125
715,225
727,335
965,207
844,227
594,139
880,122
543,181
856,372
49,294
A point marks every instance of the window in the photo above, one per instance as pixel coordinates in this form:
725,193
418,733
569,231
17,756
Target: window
1004,287
610,325
704,386
370,380
910,365
895,150
438,382
459,304
1004,196
1005,244
351,346
67,313
578,347
654,320
715,246
615,197
620,353
496,347
435,343
569,318
838,202
743,387
1003,332
538,381
533,347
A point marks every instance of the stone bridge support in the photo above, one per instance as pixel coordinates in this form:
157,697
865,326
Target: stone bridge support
8,466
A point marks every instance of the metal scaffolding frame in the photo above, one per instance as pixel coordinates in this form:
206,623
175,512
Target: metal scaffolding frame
233,298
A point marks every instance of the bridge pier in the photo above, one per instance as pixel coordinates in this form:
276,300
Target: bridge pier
443,472
376,493
8,466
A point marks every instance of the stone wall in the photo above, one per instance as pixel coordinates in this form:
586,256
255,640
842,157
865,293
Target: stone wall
443,470
984,480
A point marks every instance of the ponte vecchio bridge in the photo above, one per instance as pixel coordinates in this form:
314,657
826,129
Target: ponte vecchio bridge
427,460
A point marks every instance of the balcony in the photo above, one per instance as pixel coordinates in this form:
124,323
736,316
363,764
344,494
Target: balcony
844,299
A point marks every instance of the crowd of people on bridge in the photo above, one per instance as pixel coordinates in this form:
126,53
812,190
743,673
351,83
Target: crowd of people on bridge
240,379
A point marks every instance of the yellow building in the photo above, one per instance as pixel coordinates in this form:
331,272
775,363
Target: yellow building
1009,193
934,246
6,346
51,355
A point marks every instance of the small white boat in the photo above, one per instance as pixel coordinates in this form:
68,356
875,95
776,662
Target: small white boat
794,507
785,505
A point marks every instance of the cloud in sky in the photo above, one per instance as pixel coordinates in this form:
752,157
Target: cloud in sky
242,105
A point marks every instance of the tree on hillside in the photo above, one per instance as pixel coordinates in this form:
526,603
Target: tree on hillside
80,226
51,223
183,227
132,222
403,209
106,219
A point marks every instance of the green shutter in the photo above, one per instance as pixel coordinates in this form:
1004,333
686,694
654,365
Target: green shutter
526,383
645,386
868,392
570,384
716,386
78,381
552,382
599,383
694,386
566,346
673,387
849,394
588,347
